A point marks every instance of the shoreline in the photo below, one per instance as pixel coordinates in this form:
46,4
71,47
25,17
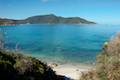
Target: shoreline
69,70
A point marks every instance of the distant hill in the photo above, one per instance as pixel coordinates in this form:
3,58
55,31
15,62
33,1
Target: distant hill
47,19
4,21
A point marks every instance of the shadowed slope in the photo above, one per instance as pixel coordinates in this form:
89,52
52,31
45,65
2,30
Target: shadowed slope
18,67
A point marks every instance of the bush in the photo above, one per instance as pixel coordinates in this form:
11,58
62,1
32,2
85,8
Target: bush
108,63
7,71
18,67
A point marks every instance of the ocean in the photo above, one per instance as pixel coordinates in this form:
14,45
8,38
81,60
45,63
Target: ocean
59,42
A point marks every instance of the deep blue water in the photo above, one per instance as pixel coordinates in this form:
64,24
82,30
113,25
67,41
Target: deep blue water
64,43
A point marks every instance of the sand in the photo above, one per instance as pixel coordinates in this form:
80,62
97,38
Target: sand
71,71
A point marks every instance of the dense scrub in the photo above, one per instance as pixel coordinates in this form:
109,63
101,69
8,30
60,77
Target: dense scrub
108,63
18,67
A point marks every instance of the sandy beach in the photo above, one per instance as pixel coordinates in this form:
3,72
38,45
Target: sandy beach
71,71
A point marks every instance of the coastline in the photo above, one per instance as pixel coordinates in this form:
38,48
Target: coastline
72,71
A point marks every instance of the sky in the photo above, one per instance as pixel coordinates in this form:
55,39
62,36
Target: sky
100,11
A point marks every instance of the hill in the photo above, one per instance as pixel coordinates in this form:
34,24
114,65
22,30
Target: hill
53,19
46,19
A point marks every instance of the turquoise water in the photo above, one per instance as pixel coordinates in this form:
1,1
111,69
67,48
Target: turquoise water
63,43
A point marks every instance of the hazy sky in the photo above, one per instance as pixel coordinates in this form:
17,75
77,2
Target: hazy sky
101,11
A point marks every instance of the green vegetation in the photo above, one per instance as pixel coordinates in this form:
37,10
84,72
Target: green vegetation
14,66
108,63
46,19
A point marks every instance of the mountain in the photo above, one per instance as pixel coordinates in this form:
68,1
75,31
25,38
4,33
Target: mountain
53,19
47,19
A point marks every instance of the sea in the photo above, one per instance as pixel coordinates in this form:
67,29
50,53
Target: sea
64,43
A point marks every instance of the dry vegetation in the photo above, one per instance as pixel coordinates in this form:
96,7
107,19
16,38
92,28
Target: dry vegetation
108,63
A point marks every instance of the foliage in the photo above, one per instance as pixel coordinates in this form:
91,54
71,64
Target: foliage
15,66
108,63
4,57
7,71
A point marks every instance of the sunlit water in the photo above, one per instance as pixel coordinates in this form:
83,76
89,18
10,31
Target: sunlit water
63,43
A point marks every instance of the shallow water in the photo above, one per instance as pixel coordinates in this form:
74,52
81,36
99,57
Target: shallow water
63,43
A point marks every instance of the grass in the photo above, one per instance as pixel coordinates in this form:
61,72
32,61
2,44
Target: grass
108,63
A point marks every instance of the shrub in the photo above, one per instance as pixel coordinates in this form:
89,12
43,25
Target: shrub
15,66
6,57
108,63
7,71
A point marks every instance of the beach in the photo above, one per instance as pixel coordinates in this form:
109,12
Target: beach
71,71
